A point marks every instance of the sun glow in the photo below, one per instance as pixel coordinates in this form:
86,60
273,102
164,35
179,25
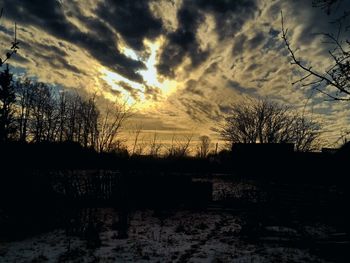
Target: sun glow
150,74
136,93
129,53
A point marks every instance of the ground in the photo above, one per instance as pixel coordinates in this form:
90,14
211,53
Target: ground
211,235
242,224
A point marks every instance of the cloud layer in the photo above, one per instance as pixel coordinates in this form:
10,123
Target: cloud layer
215,51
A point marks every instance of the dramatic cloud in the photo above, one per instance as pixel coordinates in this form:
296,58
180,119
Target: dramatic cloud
184,43
183,62
132,19
99,40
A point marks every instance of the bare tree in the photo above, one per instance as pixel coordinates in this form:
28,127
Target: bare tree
137,131
181,148
25,95
306,134
89,119
118,146
110,125
203,146
43,113
140,147
73,125
7,102
34,111
262,121
170,150
326,5
62,115
155,146
334,80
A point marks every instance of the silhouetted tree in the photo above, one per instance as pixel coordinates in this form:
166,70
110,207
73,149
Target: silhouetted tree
171,148
7,102
334,80
262,121
203,146
73,124
118,147
326,5
137,131
110,125
44,115
155,146
24,92
89,116
36,112
180,147
62,115
77,119
183,146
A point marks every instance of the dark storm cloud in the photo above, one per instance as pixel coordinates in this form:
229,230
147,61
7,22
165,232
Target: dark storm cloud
229,18
51,54
132,19
62,63
239,43
242,43
274,33
6,31
212,69
20,59
183,41
191,87
256,41
99,41
273,41
200,109
229,15
253,67
315,20
47,48
243,90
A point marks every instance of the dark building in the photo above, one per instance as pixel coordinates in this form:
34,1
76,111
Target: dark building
280,161
262,150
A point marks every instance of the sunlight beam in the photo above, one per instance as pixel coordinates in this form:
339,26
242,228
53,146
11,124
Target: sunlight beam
149,76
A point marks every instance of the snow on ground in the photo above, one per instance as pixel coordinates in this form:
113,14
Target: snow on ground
180,236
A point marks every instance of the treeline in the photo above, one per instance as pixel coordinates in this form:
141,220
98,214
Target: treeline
32,111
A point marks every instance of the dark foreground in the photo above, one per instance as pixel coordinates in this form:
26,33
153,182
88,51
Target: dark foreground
246,221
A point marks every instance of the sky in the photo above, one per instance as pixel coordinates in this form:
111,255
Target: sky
180,64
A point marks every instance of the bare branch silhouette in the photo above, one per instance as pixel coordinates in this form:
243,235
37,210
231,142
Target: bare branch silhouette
337,76
262,121
14,44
